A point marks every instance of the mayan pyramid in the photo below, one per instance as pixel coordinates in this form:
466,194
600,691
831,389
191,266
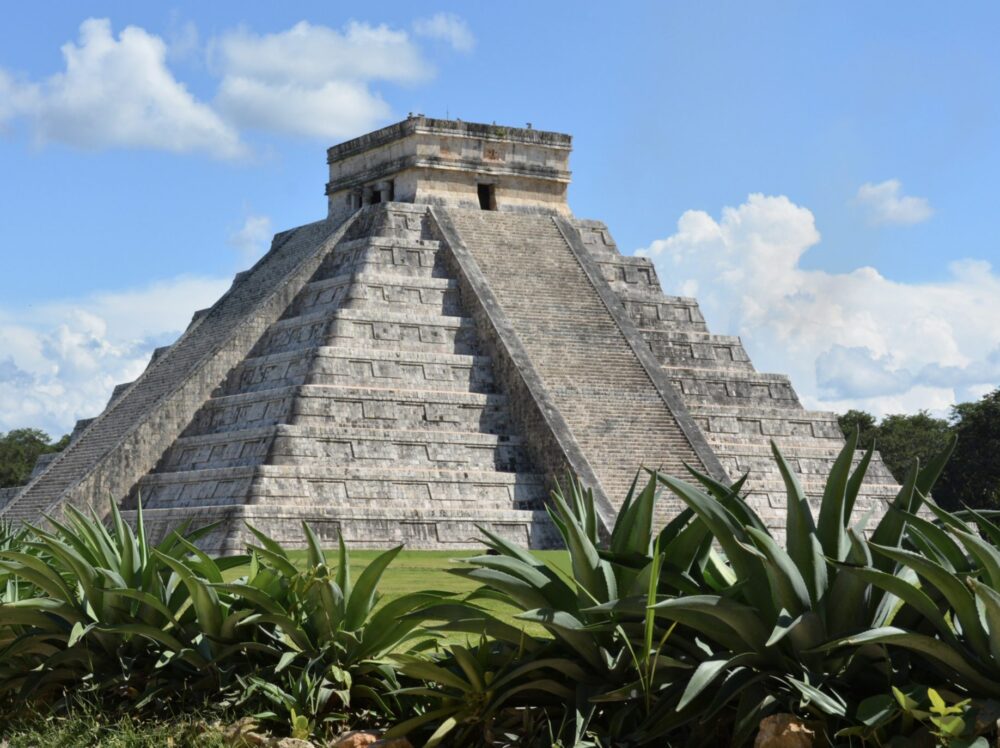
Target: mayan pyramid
430,357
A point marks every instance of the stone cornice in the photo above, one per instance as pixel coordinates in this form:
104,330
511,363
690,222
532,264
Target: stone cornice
455,128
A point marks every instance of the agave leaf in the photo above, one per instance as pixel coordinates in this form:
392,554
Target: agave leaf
830,705
570,629
592,575
362,599
469,666
833,513
204,598
987,555
315,551
909,593
741,619
957,594
405,728
945,549
848,600
34,570
253,595
790,589
278,560
786,624
626,536
729,497
707,672
801,539
889,531
990,599
519,592
732,537
146,599
924,645
417,667
566,667
343,577
550,586
854,484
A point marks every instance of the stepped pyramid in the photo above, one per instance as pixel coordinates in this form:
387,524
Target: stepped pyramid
430,358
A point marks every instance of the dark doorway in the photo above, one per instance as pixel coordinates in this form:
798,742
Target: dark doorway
487,196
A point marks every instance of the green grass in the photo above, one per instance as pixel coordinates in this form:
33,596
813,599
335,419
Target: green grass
417,571
87,727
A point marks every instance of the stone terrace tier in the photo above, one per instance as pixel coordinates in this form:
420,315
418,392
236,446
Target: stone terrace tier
738,410
367,407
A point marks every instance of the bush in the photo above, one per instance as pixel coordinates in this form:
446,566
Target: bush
689,634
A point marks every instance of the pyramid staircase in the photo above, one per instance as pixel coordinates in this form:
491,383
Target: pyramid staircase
368,409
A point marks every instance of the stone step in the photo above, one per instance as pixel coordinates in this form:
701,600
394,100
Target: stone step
378,328
731,386
365,528
346,445
367,407
367,367
374,487
629,274
402,331
375,367
809,466
437,295
661,312
411,258
728,423
676,348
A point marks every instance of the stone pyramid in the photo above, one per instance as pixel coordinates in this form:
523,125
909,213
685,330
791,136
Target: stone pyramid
430,358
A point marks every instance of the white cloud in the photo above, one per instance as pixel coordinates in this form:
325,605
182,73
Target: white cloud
118,93
252,239
62,359
855,339
447,27
308,80
313,80
885,204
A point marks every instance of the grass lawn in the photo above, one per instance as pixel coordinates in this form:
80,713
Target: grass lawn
416,571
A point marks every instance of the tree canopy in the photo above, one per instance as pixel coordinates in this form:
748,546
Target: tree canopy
972,476
19,449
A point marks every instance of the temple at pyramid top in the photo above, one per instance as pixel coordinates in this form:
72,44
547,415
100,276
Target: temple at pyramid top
453,164
427,361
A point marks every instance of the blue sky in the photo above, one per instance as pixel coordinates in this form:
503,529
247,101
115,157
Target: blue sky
821,177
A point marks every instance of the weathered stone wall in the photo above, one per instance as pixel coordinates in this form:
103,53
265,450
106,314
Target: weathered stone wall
125,442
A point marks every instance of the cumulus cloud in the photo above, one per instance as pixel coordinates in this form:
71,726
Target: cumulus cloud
313,80
885,204
855,339
252,239
117,92
63,358
447,27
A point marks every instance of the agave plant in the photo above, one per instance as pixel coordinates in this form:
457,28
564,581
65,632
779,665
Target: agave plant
100,607
483,695
626,664
768,610
948,573
330,630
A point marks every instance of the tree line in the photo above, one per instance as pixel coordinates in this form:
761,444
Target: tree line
972,476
